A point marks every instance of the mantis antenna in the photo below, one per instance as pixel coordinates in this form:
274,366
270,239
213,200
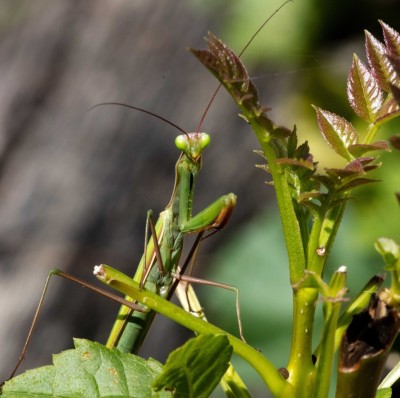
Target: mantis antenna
136,108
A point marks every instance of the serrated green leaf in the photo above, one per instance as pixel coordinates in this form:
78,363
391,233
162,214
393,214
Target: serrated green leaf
337,131
195,369
90,370
392,39
380,65
363,92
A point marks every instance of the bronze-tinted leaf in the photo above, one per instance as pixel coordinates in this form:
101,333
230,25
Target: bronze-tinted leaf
340,174
395,61
392,39
380,65
358,150
354,169
337,131
325,180
355,183
396,93
306,196
303,151
364,162
363,92
395,90
308,164
227,67
389,110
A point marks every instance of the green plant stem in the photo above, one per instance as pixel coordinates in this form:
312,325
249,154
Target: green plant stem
371,133
115,279
290,224
314,261
300,367
326,353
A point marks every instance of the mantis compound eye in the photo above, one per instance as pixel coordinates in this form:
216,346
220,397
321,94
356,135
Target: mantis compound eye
182,142
204,140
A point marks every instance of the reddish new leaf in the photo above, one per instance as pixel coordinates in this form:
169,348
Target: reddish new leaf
363,92
389,110
395,61
380,65
359,150
396,93
392,39
355,168
337,131
227,67
308,164
357,182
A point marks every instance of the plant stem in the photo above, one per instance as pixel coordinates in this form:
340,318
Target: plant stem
301,368
326,353
290,224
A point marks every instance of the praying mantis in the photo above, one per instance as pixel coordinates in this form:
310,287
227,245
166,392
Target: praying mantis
163,251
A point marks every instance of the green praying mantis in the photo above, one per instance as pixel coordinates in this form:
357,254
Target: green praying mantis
160,260
158,270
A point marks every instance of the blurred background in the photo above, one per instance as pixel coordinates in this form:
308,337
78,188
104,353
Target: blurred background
75,185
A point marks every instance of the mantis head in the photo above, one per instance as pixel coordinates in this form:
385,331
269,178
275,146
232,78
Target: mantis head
192,144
